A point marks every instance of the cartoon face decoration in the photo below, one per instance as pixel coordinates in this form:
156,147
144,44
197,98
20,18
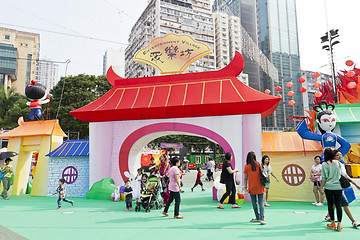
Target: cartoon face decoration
35,91
325,117
327,122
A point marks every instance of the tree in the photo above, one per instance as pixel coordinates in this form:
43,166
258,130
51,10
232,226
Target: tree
78,91
12,106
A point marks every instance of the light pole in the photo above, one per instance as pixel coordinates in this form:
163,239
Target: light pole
328,41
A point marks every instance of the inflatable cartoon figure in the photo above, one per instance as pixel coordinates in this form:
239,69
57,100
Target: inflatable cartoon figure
36,92
326,123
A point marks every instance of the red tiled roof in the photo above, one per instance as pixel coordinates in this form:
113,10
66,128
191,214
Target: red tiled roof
214,93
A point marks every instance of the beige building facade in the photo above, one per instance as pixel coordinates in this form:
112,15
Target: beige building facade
27,47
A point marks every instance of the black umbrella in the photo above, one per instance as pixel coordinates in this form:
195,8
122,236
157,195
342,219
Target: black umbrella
5,155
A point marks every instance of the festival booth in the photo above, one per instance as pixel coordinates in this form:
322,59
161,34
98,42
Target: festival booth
214,105
70,161
291,159
41,136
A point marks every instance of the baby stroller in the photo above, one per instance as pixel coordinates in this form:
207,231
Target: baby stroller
150,196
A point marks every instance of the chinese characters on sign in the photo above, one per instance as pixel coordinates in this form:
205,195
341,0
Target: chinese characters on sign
172,53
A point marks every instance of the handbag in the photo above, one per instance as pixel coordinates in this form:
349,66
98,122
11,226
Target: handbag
237,178
264,177
344,182
2,175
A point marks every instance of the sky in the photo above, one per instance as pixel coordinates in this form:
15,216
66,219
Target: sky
111,21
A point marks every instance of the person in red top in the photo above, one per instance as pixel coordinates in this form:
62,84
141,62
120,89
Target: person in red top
198,180
255,187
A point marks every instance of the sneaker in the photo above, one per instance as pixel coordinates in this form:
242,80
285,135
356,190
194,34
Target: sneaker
164,213
179,217
356,224
319,204
203,190
58,208
130,208
314,203
72,203
192,189
262,222
127,208
327,218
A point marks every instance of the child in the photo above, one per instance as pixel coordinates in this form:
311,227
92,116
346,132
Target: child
128,195
61,191
143,182
198,180
7,170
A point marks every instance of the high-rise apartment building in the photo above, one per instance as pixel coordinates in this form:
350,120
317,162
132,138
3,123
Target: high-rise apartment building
193,17
27,48
230,36
278,39
116,59
245,10
48,73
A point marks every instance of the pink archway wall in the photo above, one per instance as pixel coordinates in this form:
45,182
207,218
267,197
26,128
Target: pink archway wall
115,147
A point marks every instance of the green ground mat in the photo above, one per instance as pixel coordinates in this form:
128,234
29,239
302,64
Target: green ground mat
37,218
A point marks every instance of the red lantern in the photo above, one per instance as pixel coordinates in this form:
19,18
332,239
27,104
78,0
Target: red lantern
278,88
303,89
267,91
349,63
316,75
350,74
302,80
289,84
279,96
290,93
318,94
317,84
291,102
351,85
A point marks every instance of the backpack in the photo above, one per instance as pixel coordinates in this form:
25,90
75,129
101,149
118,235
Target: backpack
264,176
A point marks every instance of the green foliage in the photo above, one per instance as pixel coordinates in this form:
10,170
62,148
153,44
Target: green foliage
78,92
12,106
198,144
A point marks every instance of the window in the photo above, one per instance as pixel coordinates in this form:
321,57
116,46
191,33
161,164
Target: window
198,159
207,158
7,37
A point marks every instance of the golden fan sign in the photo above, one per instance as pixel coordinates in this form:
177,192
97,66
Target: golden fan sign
172,53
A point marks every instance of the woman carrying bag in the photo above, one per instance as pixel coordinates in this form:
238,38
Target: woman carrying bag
227,178
256,188
330,181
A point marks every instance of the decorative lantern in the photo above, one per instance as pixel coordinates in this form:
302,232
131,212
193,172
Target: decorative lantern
318,94
317,84
350,74
291,103
303,89
351,85
291,93
302,80
278,88
316,75
289,84
267,91
279,96
349,63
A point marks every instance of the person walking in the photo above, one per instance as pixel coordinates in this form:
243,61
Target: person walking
266,165
227,178
255,187
8,171
174,188
315,177
330,175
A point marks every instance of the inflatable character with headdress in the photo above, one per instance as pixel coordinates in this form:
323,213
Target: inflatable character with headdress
326,121
36,92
